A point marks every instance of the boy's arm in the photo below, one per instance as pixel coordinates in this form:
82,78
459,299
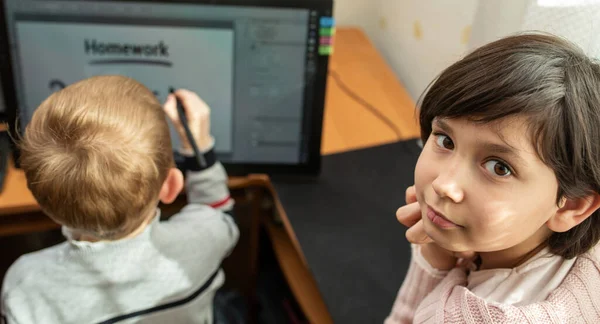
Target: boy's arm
207,185
7,317
421,279
15,306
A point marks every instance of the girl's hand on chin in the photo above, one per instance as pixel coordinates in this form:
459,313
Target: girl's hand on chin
410,216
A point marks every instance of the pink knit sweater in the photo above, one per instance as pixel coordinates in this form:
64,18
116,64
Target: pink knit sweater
431,298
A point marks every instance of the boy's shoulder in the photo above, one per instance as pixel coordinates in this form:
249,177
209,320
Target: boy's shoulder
28,269
197,226
194,216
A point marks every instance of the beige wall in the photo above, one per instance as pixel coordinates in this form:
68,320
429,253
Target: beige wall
419,38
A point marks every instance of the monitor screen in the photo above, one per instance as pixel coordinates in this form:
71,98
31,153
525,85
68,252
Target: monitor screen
258,67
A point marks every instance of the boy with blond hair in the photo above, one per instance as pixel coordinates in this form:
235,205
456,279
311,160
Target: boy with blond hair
97,157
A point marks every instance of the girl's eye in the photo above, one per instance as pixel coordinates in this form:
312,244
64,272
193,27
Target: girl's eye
498,168
444,141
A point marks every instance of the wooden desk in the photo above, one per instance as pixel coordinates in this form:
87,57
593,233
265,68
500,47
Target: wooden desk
347,125
16,198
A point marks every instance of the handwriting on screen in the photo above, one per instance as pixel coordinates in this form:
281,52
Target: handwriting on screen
56,85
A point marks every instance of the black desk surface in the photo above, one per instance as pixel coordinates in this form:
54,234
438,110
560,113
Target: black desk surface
346,226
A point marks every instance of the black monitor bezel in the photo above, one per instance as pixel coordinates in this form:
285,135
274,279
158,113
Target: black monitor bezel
313,115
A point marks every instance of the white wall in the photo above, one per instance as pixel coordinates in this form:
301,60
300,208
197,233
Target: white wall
577,20
419,38
496,19
359,13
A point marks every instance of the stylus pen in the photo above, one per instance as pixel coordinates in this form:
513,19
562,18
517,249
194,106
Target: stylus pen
184,122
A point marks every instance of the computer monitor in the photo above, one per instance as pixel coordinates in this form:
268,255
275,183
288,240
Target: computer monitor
260,65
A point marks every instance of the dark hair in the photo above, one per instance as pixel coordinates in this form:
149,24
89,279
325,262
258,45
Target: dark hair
556,86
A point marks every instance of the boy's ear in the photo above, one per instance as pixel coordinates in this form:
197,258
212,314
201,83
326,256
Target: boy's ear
572,212
172,186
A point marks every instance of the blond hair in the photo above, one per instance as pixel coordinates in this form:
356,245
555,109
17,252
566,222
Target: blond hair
96,153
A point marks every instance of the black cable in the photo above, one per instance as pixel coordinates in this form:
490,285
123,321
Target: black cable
365,104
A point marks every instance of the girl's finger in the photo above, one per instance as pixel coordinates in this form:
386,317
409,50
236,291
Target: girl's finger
409,214
416,234
410,196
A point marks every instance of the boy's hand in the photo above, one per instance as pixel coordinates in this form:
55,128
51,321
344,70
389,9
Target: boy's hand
198,117
410,216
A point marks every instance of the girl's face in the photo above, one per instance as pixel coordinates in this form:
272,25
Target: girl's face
482,187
